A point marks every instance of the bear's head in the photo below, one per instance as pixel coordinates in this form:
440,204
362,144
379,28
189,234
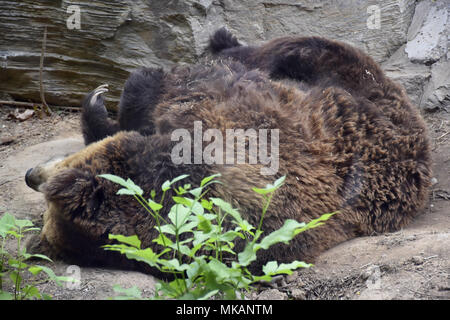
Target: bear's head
83,208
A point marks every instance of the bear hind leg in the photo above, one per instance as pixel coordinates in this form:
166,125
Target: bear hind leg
95,123
140,95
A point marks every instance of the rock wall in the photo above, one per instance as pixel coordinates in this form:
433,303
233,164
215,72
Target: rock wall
422,65
114,37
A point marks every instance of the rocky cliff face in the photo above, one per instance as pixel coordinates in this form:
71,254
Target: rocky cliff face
95,42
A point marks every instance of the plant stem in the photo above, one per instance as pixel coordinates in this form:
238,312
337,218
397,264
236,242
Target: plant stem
266,206
2,261
155,215
218,247
19,256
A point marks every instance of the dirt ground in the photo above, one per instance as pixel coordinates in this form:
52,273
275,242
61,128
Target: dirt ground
413,263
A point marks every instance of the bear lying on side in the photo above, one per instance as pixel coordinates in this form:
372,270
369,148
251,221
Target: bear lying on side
349,140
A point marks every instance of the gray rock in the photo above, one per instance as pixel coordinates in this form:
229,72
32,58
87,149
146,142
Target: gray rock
116,37
437,91
428,33
370,271
411,75
298,294
272,294
422,64
417,260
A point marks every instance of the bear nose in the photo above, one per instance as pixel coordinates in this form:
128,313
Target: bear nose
27,177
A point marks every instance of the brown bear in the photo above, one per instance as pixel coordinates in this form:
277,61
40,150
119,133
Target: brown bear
349,140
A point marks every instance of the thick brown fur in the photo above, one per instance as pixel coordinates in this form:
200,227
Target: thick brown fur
350,140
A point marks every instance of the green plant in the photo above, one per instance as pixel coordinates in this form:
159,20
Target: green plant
196,237
23,276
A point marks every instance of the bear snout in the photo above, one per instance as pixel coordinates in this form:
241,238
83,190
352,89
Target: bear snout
27,177
33,178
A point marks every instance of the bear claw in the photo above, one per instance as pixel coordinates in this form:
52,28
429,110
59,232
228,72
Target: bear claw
97,92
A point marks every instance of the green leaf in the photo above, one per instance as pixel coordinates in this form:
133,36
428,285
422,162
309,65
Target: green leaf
279,182
200,237
17,264
272,267
31,292
178,215
286,233
181,248
130,187
31,229
22,223
15,277
246,227
208,179
147,255
114,179
208,295
171,289
196,206
134,187
37,255
270,187
6,295
230,236
225,206
174,264
195,269
248,255
132,293
154,206
197,192
316,222
168,229
131,240
208,205
34,270
162,240
122,248
54,277
204,224
14,234
294,265
187,227
221,271
166,185
125,192
7,223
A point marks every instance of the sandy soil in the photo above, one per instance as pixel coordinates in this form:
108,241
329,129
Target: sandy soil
413,263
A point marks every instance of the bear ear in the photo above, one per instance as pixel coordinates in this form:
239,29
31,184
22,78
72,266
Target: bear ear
76,191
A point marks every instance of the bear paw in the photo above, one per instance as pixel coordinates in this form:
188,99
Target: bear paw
95,99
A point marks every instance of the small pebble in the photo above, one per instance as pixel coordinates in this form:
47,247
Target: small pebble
298,294
272,294
417,260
